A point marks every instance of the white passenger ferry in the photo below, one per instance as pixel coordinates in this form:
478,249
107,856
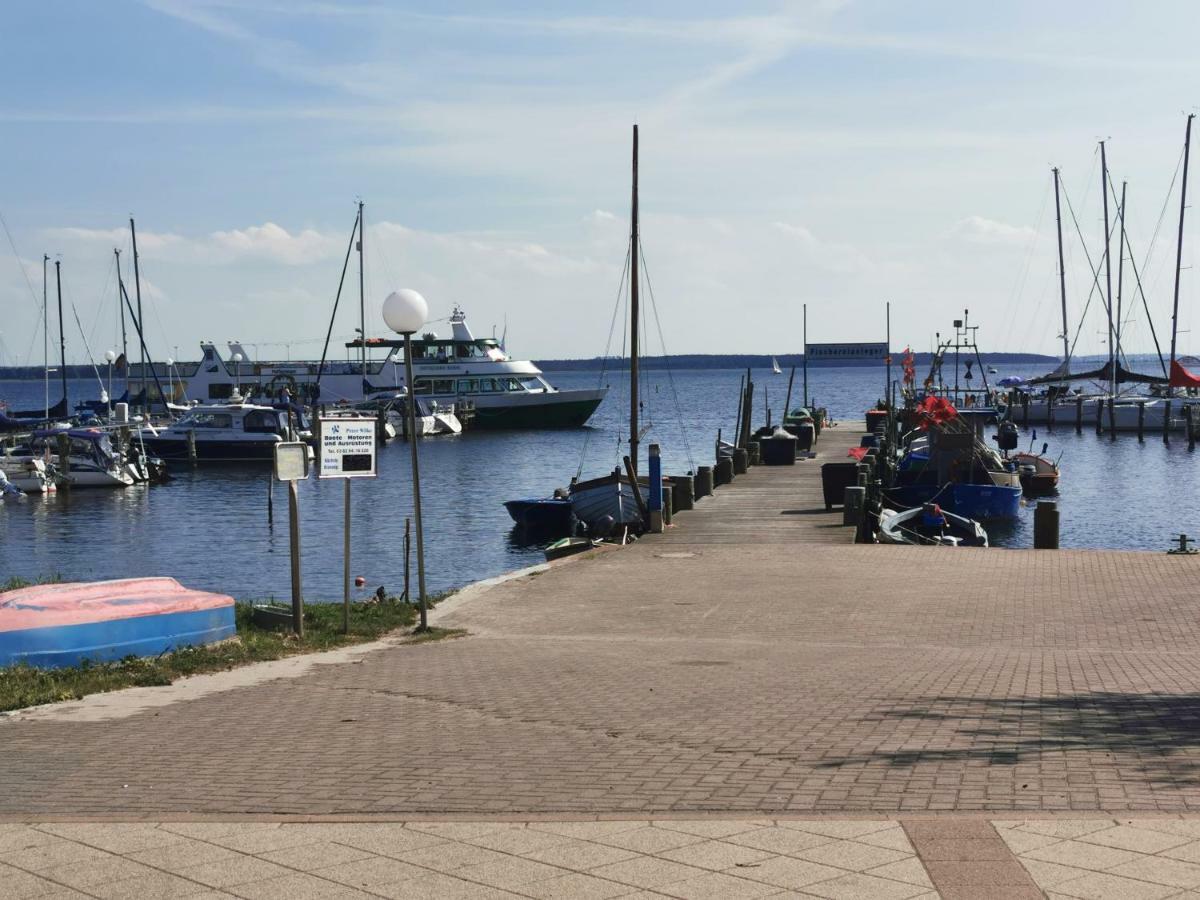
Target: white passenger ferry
506,393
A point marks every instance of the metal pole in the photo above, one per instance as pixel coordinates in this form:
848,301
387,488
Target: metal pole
1187,147
887,387
1062,272
137,290
416,478
787,403
1108,296
294,544
121,306
46,335
806,356
634,242
62,335
362,296
346,561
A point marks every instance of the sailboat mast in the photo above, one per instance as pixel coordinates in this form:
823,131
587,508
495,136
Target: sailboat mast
634,246
1062,272
1108,297
45,336
121,307
1120,263
362,294
137,288
62,334
1187,146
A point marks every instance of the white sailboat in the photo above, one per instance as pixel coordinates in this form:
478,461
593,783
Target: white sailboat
775,366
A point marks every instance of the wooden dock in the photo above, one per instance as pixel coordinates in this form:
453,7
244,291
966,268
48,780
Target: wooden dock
773,504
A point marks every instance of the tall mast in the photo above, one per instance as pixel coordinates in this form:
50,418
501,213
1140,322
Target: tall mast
62,335
1120,263
634,246
1062,272
1108,297
137,287
1187,146
45,335
121,306
362,296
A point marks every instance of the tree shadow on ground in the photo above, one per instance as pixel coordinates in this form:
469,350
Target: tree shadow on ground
1158,733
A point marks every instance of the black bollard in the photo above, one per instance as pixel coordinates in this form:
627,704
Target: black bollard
741,461
1045,525
704,481
723,472
683,494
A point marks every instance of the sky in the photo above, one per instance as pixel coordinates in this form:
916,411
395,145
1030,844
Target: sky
838,154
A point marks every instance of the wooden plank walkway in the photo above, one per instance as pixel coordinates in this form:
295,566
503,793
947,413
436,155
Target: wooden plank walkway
772,504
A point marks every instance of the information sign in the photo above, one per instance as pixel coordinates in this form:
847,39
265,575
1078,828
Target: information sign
291,461
347,448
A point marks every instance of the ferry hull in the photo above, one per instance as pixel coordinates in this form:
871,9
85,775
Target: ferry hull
551,413
212,451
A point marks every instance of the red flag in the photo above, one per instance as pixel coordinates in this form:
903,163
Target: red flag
934,410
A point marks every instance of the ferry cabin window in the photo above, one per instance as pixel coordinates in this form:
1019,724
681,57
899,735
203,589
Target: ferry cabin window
532,384
487,385
468,385
443,386
421,386
220,391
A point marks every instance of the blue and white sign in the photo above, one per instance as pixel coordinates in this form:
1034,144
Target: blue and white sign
347,448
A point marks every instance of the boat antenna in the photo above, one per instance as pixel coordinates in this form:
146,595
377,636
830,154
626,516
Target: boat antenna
362,294
1062,274
121,308
1108,297
336,300
62,334
137,288
634,239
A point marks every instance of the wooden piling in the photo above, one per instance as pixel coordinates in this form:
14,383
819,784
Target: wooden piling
723,471
1166,434
1112,418
704,482
1141,421
1100,415
1190,423
1045,525
1079,415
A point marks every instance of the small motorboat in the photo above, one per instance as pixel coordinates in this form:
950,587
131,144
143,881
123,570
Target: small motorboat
57,625
8,490
1038,474
569,546
30,474
545,515
930,525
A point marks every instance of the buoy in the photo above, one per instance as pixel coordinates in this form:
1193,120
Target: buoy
359,581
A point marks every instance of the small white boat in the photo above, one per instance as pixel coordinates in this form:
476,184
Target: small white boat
29,474
91,459
220,432
929,525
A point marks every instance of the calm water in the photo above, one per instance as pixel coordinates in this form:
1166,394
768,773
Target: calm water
209,527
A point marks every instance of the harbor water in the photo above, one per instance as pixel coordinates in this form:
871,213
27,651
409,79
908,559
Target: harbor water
208,527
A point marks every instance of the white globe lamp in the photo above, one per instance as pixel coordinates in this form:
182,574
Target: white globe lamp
405,311
105,395
110,355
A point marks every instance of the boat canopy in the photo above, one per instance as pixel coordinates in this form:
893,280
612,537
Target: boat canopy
1181,377
1104,373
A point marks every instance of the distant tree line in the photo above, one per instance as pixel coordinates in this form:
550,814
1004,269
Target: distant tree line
761,361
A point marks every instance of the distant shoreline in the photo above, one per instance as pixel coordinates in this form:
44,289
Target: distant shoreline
680,361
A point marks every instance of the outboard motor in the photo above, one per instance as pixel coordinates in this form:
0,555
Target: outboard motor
1007,437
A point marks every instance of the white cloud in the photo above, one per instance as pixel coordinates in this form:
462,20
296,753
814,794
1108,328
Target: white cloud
267,243
981,230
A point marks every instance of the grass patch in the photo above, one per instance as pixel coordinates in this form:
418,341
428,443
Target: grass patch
23,685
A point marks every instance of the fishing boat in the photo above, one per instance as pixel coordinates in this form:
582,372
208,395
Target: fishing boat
236,431
568,546
57,625
930,525
1038,474
617,499
543,515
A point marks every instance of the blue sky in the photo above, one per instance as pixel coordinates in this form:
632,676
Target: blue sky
836,153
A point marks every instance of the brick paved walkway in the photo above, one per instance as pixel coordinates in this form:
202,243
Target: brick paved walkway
676,677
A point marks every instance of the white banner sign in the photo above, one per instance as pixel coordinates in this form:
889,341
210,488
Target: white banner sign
347,448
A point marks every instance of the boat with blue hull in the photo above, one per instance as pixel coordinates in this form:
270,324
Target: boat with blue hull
59,625
544,515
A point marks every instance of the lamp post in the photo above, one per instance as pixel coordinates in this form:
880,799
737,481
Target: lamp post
237,373
405,311
111,356
171,375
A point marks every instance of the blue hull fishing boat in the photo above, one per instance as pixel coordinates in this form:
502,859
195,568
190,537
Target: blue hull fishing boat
547,515
58,625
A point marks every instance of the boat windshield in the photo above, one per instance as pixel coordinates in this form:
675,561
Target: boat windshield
207,420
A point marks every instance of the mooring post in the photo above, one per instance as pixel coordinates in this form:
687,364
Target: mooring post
64,458
741,460
1079,415
723,472
854,504
1190,422
270,501
191,446
1112,418
294,546
654,500
1167,418
1100,415
668,507
704,481
1141,420
407,555
1045,525
683,496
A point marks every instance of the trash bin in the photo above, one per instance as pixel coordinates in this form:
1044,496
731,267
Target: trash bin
835,478
806,433
779,449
